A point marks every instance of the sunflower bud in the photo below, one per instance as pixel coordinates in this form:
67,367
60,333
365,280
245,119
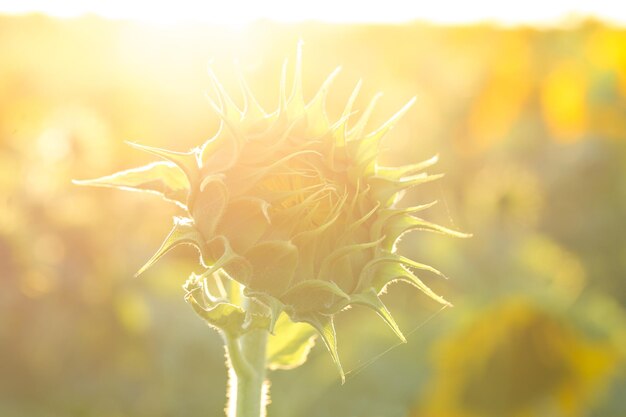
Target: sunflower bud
292,206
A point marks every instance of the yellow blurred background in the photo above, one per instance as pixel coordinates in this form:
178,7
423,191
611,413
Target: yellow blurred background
530,126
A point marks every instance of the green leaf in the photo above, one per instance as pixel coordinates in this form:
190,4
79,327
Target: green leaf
273,266
274,304
182,233
257,321
195,285
223,316
290,344
370,300
326,329
162,178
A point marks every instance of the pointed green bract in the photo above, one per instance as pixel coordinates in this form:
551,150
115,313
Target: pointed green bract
356,132
295,105
397,173
386,189
186,161
370,300
347,112
390,123
227,108
399,225
369,271
182,233
397,272
252,108
325,327
365,150
317,120
162,178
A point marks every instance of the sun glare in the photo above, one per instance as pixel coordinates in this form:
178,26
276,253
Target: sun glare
240,12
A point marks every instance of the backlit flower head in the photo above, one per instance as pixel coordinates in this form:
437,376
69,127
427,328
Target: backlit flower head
292,206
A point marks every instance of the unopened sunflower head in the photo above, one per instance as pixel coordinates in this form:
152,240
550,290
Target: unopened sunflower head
292,206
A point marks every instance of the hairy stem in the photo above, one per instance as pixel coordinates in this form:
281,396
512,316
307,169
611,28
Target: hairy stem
247,387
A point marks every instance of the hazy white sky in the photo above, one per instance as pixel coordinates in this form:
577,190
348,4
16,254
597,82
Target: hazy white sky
242,11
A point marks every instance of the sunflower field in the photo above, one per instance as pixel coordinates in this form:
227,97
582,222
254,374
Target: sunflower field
529,126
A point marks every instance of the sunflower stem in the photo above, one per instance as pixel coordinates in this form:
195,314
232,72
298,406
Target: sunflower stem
247,388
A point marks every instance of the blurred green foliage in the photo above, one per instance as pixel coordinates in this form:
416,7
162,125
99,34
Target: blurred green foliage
531,129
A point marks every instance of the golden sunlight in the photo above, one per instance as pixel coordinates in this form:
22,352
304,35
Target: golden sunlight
238,12
287,208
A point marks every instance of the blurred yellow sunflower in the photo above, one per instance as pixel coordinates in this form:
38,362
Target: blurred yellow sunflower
517,359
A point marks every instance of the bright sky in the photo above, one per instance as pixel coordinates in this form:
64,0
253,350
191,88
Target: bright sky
346,11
